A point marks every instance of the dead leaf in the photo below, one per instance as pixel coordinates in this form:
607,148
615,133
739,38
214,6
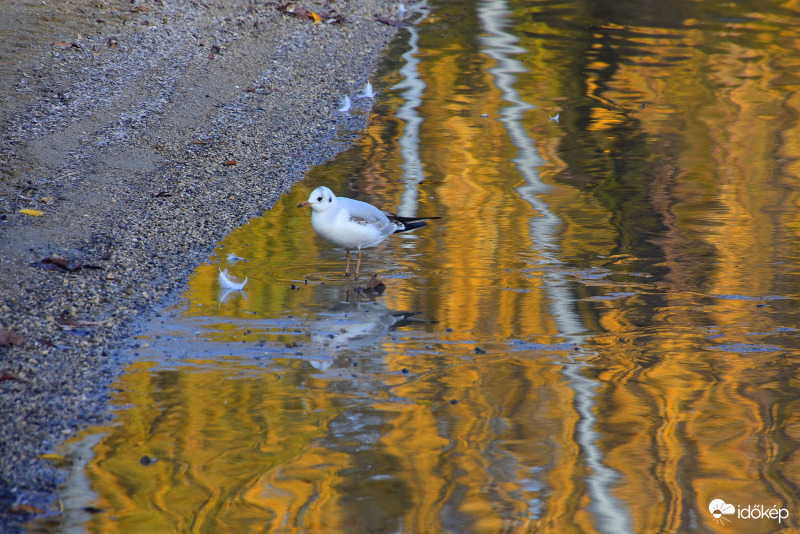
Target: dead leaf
25,509
5,375
32,213
302,13
231,162
374,286
57,263
8,338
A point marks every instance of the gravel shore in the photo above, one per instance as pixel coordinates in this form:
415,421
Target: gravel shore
135,135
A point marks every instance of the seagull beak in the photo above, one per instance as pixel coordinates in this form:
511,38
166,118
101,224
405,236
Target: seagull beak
303,204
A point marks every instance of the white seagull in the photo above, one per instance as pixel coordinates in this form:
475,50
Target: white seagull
352,224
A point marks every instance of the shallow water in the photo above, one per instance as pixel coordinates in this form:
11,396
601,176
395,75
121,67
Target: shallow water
599,335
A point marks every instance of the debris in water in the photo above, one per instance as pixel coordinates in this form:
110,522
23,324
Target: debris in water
147,460
394,22
368,92
227,283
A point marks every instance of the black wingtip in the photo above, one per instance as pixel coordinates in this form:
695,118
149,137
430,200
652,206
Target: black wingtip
411,226
410,223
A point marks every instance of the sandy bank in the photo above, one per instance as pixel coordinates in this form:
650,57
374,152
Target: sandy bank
143,132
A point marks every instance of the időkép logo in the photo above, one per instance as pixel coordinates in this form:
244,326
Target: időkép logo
724,513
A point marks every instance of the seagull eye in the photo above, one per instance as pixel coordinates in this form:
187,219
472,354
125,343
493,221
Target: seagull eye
319,199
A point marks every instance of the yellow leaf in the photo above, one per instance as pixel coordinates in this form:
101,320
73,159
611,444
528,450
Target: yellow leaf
35,213
51,457
317,18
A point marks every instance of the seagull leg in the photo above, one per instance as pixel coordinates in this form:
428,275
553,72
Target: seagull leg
347,269
358,265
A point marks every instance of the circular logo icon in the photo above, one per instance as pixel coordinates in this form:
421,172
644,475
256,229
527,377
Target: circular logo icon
719,509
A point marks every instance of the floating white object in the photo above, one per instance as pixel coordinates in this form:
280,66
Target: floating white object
346,103
226,283
321,365
234,258
554,118
367,92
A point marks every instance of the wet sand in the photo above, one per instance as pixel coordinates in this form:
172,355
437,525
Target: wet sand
135,135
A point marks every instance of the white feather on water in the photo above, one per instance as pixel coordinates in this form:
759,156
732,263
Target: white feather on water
226,282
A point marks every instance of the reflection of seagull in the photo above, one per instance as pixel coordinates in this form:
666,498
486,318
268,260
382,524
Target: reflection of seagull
352,224
352,325
368,92
346,103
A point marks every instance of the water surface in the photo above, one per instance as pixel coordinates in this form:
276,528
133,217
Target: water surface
599,335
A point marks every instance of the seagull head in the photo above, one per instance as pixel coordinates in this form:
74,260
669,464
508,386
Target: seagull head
321,199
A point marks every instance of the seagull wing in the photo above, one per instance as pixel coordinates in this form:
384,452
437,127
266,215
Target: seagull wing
407,223
363,213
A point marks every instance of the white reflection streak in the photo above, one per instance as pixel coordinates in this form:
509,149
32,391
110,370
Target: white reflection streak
409,141
501,46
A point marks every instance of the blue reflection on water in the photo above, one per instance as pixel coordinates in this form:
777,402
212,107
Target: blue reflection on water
501,46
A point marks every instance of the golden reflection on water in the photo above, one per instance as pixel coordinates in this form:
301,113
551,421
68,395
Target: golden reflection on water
599,335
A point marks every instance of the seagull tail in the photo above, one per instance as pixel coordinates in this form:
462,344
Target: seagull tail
411,223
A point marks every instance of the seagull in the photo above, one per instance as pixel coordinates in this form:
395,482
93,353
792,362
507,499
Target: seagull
352,224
